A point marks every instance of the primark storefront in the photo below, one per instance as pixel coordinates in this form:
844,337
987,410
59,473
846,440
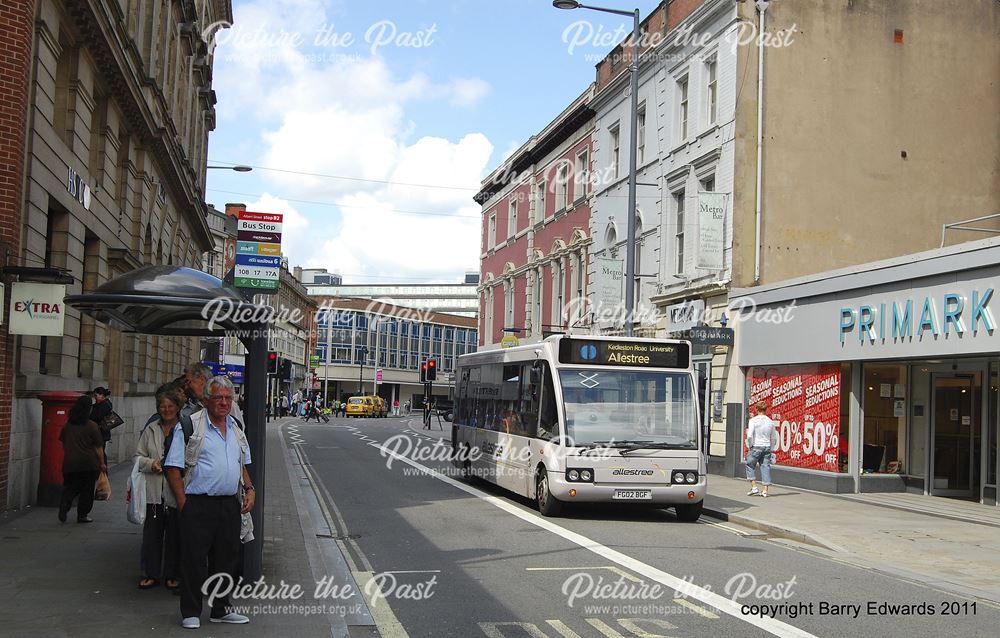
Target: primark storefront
884,376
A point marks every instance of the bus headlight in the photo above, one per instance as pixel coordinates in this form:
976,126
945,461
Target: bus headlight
691,477
573,475
678,477
586,475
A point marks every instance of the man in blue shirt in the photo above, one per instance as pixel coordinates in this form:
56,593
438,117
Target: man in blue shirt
208,499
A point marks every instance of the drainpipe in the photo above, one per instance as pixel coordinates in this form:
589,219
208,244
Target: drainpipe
761,9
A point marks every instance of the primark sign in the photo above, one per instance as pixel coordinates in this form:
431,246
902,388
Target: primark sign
898,320
892,320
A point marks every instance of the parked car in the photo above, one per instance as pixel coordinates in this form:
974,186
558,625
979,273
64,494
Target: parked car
360,407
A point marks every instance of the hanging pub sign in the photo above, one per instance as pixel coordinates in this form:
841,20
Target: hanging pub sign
711,230
37,309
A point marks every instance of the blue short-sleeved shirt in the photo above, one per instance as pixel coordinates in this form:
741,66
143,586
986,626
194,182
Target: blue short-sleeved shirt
218,470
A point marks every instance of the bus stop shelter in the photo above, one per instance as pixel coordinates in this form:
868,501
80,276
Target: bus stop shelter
180,301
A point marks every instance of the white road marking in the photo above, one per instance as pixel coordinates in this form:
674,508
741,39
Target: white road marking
386,621
602,627
724,605
492,629
563,630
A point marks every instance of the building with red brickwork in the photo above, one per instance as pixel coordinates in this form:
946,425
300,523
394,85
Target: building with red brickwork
536,233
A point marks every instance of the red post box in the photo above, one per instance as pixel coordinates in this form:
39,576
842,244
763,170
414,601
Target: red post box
55,412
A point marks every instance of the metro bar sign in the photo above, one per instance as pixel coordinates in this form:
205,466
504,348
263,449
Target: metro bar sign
258,250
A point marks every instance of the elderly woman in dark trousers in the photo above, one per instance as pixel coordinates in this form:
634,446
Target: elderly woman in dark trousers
161,530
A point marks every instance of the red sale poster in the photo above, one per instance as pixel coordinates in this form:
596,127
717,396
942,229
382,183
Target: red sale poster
804,402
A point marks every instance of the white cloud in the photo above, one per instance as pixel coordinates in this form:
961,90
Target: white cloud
468,91
337,111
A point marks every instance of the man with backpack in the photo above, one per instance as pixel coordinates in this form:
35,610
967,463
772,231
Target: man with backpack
206,472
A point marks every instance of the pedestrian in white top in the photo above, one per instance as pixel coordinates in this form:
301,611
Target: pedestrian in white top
762,438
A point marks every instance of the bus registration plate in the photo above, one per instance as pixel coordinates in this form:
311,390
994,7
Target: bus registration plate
632,495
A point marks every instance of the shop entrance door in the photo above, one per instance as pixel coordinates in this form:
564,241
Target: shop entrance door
957,412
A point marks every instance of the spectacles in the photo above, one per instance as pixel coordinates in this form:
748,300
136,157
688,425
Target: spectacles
219,397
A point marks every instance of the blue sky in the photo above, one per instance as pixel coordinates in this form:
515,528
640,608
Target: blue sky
409,103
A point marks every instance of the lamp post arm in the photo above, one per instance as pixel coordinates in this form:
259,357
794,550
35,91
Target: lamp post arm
620,12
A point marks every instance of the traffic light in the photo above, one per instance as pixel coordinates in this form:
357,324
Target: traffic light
432,369
286,369
272,362
423,372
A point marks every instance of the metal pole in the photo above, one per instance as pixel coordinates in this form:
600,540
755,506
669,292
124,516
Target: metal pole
759,203
632,153
378,324
326,364
255,386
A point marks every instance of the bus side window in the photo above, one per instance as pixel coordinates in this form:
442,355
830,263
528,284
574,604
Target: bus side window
548,416
530,385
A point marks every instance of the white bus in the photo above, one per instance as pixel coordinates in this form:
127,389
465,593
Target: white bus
583,419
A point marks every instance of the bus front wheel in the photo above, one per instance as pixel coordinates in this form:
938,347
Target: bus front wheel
548,505
690,512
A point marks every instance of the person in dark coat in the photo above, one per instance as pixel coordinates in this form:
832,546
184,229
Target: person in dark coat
102,408
83,460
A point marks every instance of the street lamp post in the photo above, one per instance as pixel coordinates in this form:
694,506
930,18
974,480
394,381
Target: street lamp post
361,369
632,154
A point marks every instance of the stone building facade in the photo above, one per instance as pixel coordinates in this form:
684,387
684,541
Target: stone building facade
119,106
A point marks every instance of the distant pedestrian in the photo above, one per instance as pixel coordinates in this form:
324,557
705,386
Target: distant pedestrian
395,407
762,438
102,408
83,460
161,549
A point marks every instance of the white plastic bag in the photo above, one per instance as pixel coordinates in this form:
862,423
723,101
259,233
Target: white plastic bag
135,499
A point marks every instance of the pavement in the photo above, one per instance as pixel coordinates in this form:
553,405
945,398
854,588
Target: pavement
80,580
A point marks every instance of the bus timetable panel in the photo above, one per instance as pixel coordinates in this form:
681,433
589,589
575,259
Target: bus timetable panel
641,354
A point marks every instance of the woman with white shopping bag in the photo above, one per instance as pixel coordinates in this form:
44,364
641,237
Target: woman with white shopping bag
161,528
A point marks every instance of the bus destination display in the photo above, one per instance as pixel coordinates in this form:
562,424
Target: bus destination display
640,354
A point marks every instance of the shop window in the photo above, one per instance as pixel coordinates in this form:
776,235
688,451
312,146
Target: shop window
808,404
884,427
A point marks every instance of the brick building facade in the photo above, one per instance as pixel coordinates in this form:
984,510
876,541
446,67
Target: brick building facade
16,26
536,232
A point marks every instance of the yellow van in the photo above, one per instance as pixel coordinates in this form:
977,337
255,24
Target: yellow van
381,409
360,406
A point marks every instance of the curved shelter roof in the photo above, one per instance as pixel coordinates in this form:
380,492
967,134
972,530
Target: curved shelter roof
170,300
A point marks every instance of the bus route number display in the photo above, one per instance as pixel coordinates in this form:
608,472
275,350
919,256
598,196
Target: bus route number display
638,354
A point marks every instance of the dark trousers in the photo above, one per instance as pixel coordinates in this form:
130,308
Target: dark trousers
161,536
210,537
79,484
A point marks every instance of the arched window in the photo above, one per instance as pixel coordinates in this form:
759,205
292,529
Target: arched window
610,236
